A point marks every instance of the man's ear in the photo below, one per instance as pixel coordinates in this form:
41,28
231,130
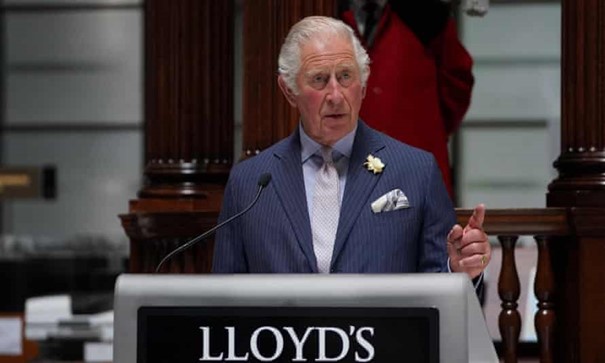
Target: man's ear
286,91
365,87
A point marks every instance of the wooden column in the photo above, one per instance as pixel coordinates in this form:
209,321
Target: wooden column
580,185
267,116
188,96
189,127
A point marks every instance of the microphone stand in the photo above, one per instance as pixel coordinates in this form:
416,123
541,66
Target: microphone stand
263,181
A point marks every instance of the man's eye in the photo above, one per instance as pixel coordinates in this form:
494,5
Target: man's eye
319,78
345,78
318,81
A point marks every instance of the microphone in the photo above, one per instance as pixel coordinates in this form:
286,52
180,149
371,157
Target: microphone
263,181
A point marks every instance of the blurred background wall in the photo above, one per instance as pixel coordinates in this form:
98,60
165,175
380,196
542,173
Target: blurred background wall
72,98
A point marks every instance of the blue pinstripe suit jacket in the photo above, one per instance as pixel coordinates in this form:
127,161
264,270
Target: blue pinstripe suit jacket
275,235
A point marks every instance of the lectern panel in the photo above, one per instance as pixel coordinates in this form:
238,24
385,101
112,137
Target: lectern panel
299,318
287,334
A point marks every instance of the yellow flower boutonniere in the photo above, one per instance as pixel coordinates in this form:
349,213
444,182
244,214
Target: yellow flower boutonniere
374,164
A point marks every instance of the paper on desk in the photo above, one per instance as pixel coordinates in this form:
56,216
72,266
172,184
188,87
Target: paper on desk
47,309
98,352
10,336
104,322
43,313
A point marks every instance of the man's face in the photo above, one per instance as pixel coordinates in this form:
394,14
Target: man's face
330,91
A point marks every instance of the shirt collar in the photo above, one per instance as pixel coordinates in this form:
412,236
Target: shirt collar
308,146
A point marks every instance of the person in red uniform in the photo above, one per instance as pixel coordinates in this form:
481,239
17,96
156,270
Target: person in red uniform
421,80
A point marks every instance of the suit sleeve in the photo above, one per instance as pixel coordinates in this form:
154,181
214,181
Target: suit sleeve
229,255
438,219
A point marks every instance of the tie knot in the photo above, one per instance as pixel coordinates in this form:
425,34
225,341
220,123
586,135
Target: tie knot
326,154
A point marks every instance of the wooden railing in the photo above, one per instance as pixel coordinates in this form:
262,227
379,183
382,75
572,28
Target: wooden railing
547,226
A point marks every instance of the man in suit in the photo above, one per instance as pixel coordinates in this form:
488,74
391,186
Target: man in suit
343,198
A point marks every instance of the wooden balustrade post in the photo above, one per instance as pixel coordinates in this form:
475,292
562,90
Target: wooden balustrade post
553,229
544,288
509,290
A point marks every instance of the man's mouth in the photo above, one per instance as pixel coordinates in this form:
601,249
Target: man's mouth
335,115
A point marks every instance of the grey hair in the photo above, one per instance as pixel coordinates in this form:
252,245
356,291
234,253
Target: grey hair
305,30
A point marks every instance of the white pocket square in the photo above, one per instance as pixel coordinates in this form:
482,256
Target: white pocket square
393,200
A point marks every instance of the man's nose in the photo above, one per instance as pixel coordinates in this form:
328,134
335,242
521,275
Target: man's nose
334,90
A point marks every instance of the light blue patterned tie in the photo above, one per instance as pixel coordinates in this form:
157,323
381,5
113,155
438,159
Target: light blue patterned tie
326,211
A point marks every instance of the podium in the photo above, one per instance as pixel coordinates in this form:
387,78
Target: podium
426,318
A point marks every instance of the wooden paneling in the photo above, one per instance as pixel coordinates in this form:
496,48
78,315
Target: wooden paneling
154,235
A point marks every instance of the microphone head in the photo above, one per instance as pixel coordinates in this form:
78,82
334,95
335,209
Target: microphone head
264,179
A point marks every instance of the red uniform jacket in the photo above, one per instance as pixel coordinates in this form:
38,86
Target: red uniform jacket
417,94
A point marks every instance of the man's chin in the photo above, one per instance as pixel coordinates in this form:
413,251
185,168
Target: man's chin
336,129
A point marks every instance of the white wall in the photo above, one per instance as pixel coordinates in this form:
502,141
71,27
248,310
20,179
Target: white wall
73,99
510,136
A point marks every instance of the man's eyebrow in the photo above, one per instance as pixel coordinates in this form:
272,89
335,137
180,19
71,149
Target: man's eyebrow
313,72
346,64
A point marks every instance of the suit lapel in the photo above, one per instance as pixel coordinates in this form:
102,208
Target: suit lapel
288,182
360,183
